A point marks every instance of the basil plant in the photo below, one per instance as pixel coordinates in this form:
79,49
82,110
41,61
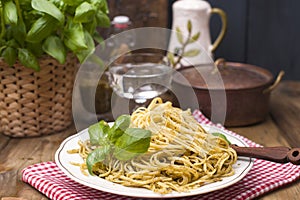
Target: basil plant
32,28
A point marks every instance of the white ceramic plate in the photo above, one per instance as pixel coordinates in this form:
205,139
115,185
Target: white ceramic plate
63,159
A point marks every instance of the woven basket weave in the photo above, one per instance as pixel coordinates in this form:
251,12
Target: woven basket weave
36,103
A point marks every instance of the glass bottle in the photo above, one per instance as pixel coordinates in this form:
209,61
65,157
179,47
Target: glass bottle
120,43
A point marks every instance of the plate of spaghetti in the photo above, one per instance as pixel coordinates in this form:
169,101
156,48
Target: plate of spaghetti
159,151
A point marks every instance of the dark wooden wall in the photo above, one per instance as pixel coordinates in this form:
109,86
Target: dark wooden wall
261,32
145,13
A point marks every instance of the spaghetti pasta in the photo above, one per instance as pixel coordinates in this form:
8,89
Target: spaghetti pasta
181,156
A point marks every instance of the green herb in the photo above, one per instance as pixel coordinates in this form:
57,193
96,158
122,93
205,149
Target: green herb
120,141
133,142
41,29
10,13
119,127
85,12
55,48
83,54
28,59
9,55
49,8
98,133
221,136
98,155
74,36
52,27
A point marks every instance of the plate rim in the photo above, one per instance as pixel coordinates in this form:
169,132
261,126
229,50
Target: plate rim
154,195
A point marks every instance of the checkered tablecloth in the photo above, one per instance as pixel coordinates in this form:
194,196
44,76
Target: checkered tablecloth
262,178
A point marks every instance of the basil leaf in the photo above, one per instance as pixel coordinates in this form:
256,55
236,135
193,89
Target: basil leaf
73,2
41,29
74,36
54,47
221,136
96,2
98,38
12,43
102,19
133,142
98,133
2,48
58,3
10,13
49,8
9,54
85,12
98,155
25,3
84,54
35,48
117,130
91,26
101,5
122,122
19,33
28,59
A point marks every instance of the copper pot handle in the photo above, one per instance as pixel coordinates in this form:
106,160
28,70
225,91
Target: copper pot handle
267,90
217,63
220,61
275,84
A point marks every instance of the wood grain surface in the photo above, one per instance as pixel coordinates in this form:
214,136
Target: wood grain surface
281,128
16,154
285,109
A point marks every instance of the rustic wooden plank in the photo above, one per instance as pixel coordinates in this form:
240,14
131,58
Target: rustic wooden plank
285,109
3,140
22,152
266,133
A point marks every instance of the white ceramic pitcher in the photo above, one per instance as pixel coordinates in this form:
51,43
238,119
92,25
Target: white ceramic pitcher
199,13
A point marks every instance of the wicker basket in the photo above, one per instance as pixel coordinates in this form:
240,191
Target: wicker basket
36,103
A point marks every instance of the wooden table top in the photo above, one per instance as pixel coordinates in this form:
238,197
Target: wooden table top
281,128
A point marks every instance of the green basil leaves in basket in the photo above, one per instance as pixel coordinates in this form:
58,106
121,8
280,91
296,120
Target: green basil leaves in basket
30,29
120,141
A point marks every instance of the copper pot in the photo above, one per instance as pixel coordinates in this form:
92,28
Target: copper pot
247,90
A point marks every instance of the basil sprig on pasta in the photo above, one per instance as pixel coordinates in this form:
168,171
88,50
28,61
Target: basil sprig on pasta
122,142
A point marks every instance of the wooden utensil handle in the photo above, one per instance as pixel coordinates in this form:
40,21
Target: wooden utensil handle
294,156
276,154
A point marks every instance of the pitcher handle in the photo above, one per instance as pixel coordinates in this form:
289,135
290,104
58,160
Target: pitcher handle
221,35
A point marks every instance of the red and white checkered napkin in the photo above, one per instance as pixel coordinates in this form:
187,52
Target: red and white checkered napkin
263,177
